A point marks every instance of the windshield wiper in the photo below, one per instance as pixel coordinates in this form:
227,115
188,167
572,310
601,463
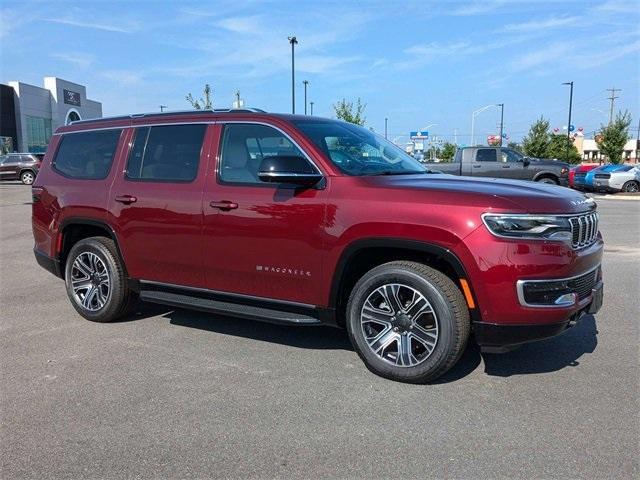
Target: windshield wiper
396,172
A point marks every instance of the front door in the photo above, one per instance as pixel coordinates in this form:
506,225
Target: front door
156,203
261,239
512,164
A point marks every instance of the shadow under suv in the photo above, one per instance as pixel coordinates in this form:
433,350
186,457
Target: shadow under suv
305,221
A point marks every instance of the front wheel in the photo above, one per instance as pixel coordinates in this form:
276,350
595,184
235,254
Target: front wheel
631,187
96,281
408,322
27,177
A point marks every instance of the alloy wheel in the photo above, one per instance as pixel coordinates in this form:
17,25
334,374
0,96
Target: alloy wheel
27,178
399,325
90,281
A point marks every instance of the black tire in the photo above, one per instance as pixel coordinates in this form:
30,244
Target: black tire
631,186
447,302
27,177
549,180
120,300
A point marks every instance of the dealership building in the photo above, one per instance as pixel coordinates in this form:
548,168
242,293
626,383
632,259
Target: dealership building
30,114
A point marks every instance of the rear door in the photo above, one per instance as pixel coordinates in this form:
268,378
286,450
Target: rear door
156,203
485,163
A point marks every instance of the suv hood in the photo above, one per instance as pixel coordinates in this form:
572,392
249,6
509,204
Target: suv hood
530,197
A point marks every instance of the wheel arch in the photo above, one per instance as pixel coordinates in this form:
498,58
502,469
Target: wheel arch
362,255
546,174
74,229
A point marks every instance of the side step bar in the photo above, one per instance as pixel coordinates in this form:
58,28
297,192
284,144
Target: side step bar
228,308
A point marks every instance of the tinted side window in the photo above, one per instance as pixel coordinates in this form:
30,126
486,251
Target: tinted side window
166,153
486,155
244,146
87,155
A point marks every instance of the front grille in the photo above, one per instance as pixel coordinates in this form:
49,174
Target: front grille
583,284
584,230
602,175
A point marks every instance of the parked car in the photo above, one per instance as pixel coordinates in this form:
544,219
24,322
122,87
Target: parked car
304,221
624,179
501,162
20,166
589,179
580,176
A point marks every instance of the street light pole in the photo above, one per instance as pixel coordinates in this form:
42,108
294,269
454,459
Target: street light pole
306,83
386,122
473,120
569,124
293,41
501,105
162,107
311,104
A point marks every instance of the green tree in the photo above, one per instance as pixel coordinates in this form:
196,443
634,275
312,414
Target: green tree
536,143
558,149
349,113
447,152
515,146
613,137
205,103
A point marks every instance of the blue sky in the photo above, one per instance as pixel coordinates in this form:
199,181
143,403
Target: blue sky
416,63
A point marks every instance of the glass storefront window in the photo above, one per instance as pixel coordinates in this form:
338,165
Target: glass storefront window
38,134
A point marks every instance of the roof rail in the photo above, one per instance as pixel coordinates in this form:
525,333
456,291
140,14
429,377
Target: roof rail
169,113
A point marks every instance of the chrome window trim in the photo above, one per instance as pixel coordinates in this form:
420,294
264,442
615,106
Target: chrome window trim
133,126
266,124
520,289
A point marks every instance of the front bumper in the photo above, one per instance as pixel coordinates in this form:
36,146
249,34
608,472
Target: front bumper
499,338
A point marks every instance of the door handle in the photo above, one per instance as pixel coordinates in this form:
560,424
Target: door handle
476,166
506,166
126,199
224,205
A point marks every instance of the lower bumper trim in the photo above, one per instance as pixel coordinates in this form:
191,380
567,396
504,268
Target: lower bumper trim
52,265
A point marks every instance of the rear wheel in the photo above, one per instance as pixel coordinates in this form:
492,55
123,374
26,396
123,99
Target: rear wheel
549,180
27,177
408,322
96,281
631,186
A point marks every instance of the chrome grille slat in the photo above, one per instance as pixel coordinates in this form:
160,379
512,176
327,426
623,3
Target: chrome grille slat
584,230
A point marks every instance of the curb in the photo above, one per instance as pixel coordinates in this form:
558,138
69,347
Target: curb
625,198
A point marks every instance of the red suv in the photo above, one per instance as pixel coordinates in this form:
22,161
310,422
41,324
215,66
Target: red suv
305,220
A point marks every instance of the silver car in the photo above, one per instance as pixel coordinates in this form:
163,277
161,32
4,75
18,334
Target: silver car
626,179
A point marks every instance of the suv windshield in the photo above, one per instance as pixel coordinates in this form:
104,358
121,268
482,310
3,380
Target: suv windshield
357,151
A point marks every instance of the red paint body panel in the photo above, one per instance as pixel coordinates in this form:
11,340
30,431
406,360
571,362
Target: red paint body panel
286,244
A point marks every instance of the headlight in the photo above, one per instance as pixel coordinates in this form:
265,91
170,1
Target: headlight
543,227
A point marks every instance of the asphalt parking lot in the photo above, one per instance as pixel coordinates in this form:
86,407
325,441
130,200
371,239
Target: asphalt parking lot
177,394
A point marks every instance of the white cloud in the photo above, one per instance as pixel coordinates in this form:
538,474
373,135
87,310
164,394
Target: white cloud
249,24
537,58
540,25
477,8
82,60
120,27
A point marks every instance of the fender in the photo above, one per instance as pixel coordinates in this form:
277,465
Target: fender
390,242
547,173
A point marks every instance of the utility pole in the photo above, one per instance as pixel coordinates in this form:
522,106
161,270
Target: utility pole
501,105
569,123
238,99
306,83
386,123
162,107
311,103
293,41
455,136
612,98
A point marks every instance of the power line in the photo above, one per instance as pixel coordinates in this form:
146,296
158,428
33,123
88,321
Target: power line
612,98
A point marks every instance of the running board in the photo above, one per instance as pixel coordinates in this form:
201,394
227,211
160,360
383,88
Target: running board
228,308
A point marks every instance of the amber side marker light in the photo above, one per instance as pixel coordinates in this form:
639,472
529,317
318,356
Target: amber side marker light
467,293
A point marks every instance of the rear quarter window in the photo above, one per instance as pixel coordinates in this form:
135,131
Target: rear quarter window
86,155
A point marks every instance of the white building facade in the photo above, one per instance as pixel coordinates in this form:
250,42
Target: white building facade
39,111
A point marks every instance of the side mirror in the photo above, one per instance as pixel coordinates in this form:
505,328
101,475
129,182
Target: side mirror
288,169
526,161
